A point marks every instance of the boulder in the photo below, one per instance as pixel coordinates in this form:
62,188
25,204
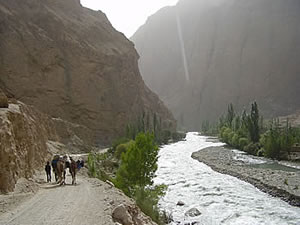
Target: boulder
130,214
180,203
193,212
121,215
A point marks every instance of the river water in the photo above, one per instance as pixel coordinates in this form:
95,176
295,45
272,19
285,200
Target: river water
220,198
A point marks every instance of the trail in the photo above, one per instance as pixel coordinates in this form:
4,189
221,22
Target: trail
89,202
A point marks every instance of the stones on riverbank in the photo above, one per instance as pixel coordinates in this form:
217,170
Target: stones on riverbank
269,181
180,203
193,212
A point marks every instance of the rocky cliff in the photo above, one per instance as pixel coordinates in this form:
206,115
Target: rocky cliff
70,63
24,137
199,56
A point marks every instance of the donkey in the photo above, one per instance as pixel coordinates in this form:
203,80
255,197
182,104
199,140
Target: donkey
61,170
73,171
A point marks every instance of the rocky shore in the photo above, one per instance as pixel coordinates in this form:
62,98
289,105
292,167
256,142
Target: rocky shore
278,183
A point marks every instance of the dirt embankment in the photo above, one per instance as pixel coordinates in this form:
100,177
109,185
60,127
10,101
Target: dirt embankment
277,183
91,201
24,136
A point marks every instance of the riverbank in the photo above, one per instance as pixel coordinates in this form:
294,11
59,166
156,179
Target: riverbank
282,184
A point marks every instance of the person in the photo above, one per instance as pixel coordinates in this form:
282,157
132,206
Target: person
48,171
54,166
78,164
82,163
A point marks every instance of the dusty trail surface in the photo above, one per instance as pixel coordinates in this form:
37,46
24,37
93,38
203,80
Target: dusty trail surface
89,202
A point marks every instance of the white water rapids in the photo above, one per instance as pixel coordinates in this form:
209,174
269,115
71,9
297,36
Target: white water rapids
221,199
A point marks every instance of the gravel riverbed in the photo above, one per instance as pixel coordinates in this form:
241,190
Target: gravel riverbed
278,183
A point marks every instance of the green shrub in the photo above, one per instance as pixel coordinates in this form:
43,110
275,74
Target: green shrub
177,136
226,134
235,141
222,129
252,148
92,165
117,142
122,148
165,136
147,200
230,137
260,152
243,142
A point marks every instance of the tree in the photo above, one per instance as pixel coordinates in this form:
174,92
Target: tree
230,115
253,123
138,165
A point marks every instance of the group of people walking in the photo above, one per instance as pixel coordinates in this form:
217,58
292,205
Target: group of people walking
67,161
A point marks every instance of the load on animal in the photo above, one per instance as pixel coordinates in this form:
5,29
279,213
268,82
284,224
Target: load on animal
59,166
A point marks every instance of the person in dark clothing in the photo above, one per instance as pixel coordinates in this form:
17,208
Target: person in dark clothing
54,166
48,171
82,163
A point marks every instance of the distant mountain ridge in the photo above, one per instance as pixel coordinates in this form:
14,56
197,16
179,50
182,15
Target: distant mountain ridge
69,62
236,51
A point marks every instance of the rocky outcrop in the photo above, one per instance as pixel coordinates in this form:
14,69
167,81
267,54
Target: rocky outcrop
24,133
69,62
126,214
199,56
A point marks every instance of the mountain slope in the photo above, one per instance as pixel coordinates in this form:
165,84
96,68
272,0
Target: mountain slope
70,63
236,51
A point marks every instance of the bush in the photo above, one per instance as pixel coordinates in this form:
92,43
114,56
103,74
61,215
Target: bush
117,142
252,148
225,135
165,136
177,136
147,200
235,141
260,152
222,129
122,148
243,142
230,137
92,165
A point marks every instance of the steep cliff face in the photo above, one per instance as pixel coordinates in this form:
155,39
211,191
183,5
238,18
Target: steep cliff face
235,51
70,63
24,134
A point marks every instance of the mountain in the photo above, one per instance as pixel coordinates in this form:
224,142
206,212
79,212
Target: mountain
201,55
70,63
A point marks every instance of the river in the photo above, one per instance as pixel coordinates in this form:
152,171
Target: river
220,198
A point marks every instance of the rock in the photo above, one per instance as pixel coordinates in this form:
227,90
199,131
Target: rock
3,100
192,212
109,183
121,215
69,62
23,149
130,214
180,203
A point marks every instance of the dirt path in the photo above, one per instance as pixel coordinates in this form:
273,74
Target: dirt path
89,202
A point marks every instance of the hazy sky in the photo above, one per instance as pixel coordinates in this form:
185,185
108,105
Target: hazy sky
127,15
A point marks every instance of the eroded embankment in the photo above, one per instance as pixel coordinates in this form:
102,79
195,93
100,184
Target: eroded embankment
277,183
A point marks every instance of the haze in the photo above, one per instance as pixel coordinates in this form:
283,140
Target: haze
127,16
